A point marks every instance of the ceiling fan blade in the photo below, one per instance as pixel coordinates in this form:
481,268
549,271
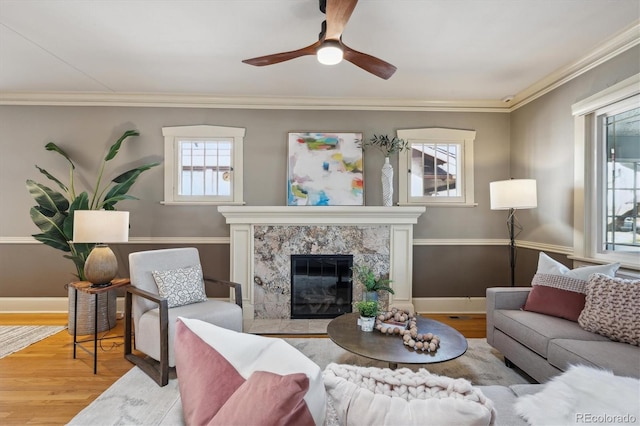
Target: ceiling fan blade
338,14
275,58
369,63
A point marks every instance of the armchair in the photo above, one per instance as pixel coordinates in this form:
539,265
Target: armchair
150,318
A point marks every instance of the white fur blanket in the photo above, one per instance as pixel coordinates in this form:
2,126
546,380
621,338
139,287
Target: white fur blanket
583,395
381,396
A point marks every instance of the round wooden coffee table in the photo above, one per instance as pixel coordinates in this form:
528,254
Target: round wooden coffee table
345,332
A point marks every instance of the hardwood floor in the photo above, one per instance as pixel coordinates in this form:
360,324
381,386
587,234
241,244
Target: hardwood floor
43,385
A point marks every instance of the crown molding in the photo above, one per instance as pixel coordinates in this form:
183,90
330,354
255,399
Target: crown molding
613,47
170,100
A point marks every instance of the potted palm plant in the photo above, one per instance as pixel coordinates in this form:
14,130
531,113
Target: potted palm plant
368,310
53,214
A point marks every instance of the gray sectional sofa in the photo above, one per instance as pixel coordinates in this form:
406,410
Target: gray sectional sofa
544,346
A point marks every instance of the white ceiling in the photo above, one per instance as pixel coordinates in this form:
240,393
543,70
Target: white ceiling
445,50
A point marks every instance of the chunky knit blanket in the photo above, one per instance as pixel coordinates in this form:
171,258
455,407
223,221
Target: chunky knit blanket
371,395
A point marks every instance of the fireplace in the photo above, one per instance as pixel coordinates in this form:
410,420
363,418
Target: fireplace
321,286
263,239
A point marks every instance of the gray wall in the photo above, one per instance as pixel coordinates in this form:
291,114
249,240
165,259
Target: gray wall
533,141
542,147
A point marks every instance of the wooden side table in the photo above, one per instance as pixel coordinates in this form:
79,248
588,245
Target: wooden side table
85,287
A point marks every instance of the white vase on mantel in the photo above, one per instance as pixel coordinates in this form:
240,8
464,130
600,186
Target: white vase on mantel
387,183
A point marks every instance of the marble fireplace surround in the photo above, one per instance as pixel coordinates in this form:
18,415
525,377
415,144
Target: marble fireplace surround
264,237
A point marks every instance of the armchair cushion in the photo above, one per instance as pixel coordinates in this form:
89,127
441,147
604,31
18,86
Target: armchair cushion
207,355
181,286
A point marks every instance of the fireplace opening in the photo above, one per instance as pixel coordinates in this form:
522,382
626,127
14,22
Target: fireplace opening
321,285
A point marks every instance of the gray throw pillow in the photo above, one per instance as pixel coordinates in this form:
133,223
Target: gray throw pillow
181,286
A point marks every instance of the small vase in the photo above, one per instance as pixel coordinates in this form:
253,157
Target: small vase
370,296
366,323
387,183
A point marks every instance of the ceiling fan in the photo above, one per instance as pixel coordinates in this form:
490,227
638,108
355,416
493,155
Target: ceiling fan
329,48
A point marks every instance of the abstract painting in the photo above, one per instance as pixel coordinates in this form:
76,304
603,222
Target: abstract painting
325,169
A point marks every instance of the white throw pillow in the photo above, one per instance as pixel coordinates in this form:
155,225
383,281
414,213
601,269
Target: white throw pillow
547,265
181,286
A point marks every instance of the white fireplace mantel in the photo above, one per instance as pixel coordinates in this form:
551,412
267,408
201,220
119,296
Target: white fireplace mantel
322,215
242,219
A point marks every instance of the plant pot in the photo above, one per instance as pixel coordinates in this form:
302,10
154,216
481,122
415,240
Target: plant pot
370,296
367,323
86,309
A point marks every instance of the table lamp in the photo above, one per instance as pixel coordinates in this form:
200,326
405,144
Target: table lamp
100,227
511,195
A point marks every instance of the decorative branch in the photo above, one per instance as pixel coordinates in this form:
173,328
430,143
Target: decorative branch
388,146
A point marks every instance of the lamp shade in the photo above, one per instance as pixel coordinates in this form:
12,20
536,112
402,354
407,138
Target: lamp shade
513,194
100,226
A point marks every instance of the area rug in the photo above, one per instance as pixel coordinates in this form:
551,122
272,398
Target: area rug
136,399
16,337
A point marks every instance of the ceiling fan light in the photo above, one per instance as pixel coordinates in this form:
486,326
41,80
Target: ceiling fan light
330,53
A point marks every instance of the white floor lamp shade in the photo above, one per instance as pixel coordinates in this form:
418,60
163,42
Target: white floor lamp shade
513,194
100,227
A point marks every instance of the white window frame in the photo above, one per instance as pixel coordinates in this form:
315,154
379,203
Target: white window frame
172,138
588,198
464,138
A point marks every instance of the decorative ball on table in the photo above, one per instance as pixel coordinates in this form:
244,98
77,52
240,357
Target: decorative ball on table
399,322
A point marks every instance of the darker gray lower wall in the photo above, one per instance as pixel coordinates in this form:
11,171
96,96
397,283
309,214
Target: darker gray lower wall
467,271
46,273
439,271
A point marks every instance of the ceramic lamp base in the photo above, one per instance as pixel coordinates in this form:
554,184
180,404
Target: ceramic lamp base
101,266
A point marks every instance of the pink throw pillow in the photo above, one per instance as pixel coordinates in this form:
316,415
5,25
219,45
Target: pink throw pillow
206,379
555,302
267,399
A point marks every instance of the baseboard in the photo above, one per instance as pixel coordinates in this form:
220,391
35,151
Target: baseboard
15,305
433,305
450,305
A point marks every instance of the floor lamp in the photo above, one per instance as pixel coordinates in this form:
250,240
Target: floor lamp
511,195
100,227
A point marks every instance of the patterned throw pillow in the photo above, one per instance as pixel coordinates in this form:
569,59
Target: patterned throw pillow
181,286
612,308
559,291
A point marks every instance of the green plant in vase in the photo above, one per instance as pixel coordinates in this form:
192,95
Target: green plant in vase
388,146
371,282
367,308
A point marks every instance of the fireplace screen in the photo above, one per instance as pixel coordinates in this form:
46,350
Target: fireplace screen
320,285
